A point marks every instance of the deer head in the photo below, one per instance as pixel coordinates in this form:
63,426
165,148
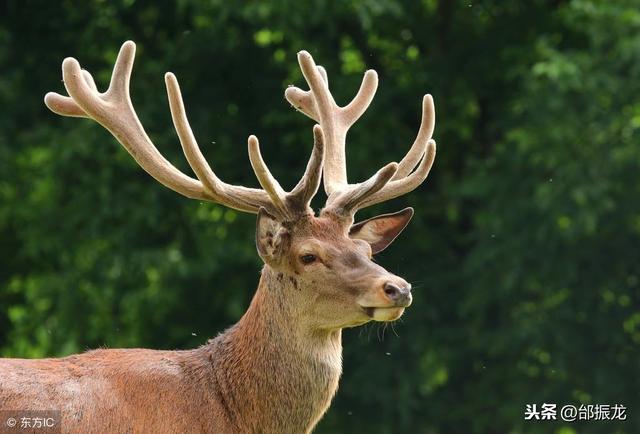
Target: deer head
326,258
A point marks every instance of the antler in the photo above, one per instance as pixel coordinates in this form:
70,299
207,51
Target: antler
114,111
393,179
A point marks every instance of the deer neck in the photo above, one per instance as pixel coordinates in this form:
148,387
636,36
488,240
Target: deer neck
275,373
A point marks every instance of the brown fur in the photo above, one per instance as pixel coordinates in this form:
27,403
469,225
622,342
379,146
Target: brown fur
275,371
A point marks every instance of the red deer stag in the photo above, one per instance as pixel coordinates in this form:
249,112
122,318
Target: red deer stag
277,369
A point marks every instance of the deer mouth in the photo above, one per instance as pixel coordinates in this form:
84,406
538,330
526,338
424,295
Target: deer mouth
391,313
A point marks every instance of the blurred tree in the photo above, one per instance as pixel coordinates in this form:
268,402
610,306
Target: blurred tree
524,247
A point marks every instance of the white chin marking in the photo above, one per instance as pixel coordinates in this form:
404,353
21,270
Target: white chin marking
387,313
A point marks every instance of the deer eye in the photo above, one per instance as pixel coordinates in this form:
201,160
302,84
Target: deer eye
308,259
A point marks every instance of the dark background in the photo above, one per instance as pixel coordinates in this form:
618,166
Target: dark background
524,249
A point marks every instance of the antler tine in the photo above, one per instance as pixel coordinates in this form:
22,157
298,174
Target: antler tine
308,185
361,102
349,200
121,75
237,197
405,185
267,181
427,125
302,100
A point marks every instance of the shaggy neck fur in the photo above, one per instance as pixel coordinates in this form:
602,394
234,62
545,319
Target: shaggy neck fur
271,372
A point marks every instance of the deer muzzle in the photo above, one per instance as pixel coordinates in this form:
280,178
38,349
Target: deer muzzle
388,303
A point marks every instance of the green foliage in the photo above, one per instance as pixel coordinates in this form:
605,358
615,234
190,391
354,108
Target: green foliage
526,240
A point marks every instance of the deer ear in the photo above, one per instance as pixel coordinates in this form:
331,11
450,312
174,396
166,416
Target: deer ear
380,231
269,236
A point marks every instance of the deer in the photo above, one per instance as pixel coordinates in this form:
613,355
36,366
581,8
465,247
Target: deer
278,368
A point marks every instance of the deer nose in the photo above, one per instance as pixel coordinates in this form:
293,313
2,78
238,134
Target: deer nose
398,293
